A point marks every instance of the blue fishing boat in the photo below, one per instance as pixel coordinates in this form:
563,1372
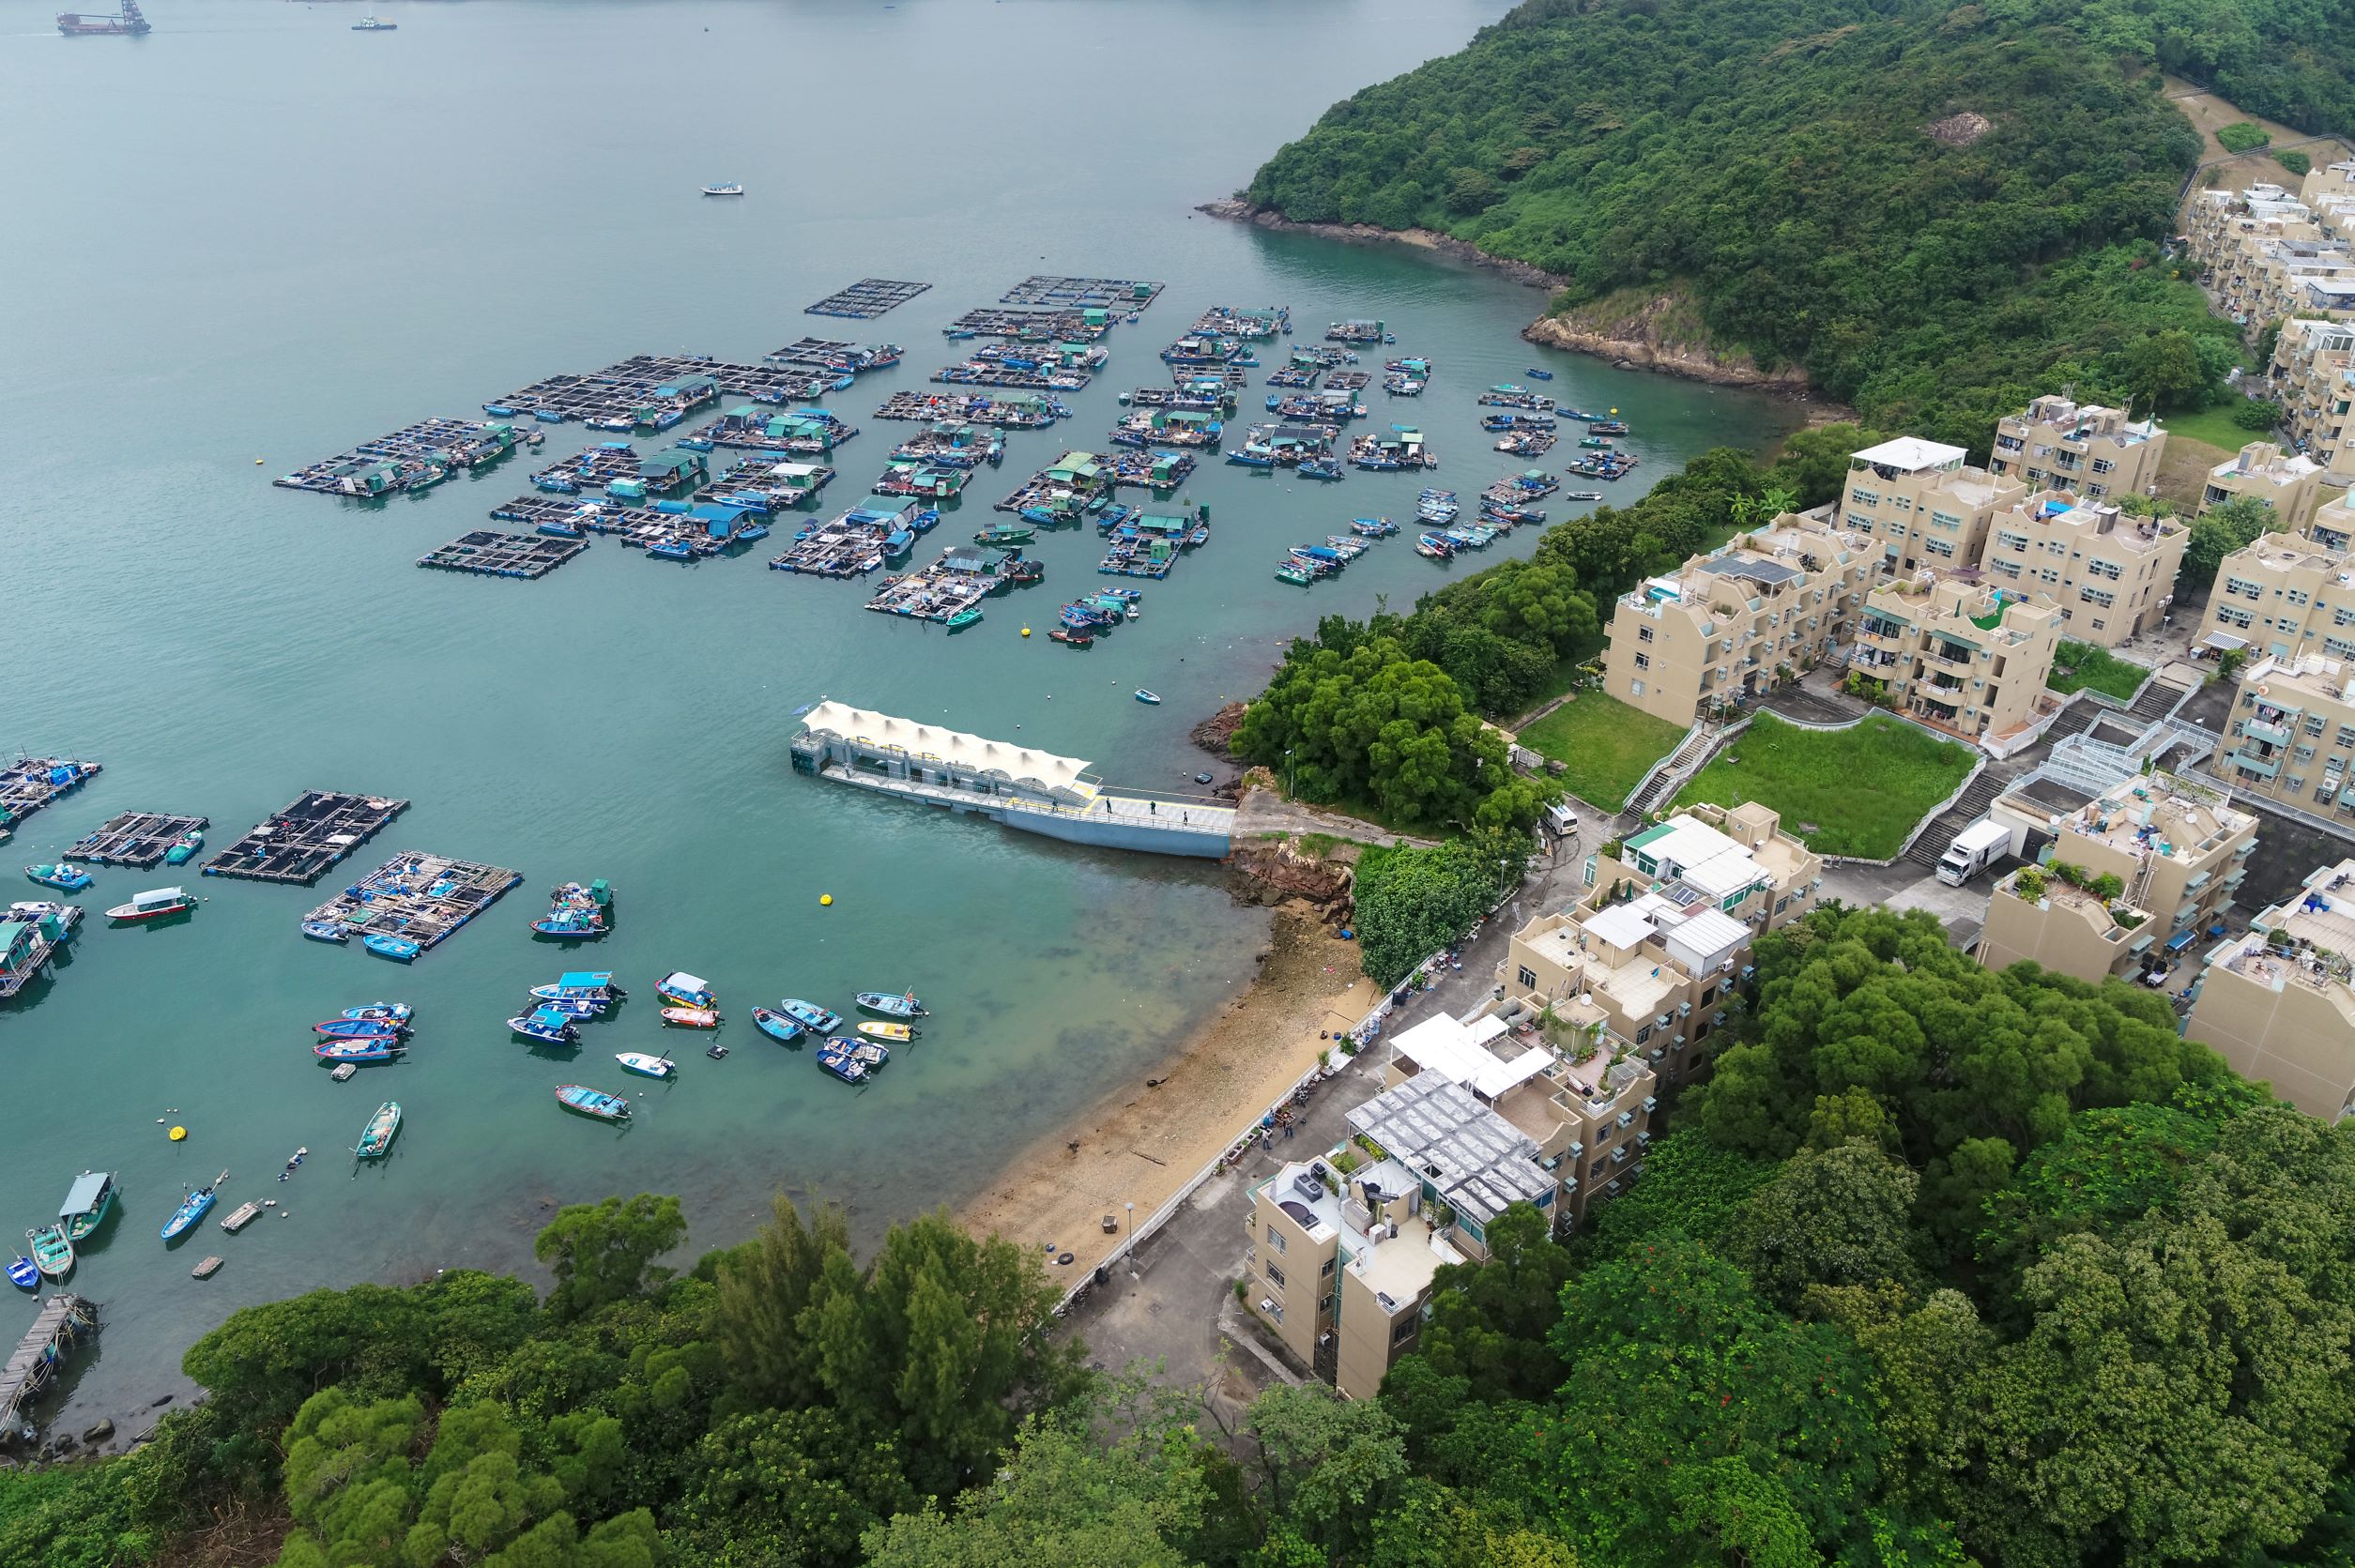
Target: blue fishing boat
1373,528
776,1026
812,1017
1147,697
193,1208
904,1005
555,529
69,877
324,931
592,1102
686,990
1326,468
571,1007
596,985
671,550
357,1028
184,846
840,1058
373,1048
391,1012
1541,375
548,1027
870,1053
401,950
580,926
22,1274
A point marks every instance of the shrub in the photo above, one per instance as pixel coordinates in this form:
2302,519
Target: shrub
2243,137
2257,414
2296,163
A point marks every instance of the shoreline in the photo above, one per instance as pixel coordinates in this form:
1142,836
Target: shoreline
1142,1142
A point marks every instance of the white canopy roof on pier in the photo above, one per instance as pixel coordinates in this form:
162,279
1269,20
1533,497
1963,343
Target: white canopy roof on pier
970,752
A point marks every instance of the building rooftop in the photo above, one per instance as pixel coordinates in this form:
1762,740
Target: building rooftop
1910,454
2312,675
1479,1161
2060,508
2319,927
1691,851
1478,1054
2160,814
1395,1268
2264,460
882,732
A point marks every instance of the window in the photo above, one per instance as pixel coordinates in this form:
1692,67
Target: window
1643,1034
2097,626
2241,587
2234,617
1642,634
1863,498
1528,978
2008,569
2337,648
1275,1275
1405,1328
1275,1238
1938,547
2102,465
1273,1309
1635,688
2313,723
2103,569
1325,1270
1643,660
2103,597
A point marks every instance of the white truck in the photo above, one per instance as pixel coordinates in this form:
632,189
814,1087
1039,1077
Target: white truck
1973,849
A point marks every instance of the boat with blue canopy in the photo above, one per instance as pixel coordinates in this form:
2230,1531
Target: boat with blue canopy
548,1027
686,990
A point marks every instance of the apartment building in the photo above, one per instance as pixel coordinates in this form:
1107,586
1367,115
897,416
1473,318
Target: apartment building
1922,503
2313,379
2293,734
2110,575
1725,626
2282,596
1966,655
1736,860
2178,849
1344,1248
2289,482
2269,254
2056,443
2278,1003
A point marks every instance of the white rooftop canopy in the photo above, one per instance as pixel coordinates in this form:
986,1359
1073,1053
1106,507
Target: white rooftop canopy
1458,1053
972,753
1911,454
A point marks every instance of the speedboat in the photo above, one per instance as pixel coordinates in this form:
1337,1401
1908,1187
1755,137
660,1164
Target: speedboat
324,931
543,1025
775,1024
592,1102
729,188
357,1028
692,1017
898,1033
22,1274
686,990
579,924
646,1066
153,905
376,1137
69,877
570,1007
836,1057
183,847
810,1016
193,1208
904,1005
1148,698
391,1012
401,950
53,1253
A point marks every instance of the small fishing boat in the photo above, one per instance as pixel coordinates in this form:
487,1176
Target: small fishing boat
183,847
877,1030
1147,697
69,877
401,950
545,1026
53,1255
1373,528
816,1019
377,1135
964,618
646,1066
571,1007
153,905
871,1054
1541,375
22,1274
357,1028
775,1024
725,188
193,1208
1581,494
686,990
837,1057
594,985
379,1048
1069,638
86,1204
903,1005
692,1017
388,1013
592,1102
1294,573
324,931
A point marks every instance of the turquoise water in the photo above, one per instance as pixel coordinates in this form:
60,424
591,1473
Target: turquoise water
258,235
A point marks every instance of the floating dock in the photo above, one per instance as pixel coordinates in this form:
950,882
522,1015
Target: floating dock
139,838
31,934
422,897
30,783
1035,791
802,431
689,528
1058,494
866,299
602,465
768,485
62,1319
1260,326
415,457
951,444
1082,294
245,1214
857,542
963,576
491,553
1149,543
307,838
656,391
1007,410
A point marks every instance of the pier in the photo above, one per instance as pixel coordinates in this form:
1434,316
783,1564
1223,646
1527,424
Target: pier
299,842
496,554
866,299
139,838
1007,410
422,897
1082,294
415,457
30,783
1034,791
62,1319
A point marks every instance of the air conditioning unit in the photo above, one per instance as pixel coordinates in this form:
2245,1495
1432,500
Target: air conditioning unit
1651,1102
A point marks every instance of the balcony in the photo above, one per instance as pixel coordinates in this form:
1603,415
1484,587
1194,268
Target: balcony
2271,734
2251,761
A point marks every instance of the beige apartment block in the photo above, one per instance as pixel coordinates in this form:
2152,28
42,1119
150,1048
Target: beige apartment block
1725,626
2110,575
2177,848
2278,1003
2283,596
2314,378
2293,733
2058,444
2288,482
1736,860
1966,655
1923,504
2268,254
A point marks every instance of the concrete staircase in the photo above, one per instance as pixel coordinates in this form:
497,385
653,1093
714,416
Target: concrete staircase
1931,843
2075,719
1682,764
2160,697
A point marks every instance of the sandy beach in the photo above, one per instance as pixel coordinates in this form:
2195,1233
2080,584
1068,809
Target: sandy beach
1141,1143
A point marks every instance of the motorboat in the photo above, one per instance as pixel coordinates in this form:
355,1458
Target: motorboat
818,1020
152,905
53,1253
775,1024
193,1208
646,1066
71,878
549,1028
691,1018
592,1102
686,990
903,1005
357,1028
726,188
1147,697
401,950
836,1057
389,1012
324,931
880,1029
374,1048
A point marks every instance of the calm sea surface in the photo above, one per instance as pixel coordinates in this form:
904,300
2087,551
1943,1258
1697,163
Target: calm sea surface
257,234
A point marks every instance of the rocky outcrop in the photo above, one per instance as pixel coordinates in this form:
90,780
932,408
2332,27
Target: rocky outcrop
1216,733
1274,873
1239,211
1659,330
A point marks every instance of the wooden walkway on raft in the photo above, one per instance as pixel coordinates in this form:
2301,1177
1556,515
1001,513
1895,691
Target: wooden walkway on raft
979,408
866,299
492,554
30,783
40,1353
989,320
311,835
135,839
422,897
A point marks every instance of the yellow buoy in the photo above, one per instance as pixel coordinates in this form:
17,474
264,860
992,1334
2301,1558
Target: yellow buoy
825,898
1026,632
178,1133
257,462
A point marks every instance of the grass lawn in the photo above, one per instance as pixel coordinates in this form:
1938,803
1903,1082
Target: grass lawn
1606,746
2214,427
1565,673
2096,667
1861,789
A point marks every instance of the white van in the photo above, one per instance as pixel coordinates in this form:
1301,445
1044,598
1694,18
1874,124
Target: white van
1562,820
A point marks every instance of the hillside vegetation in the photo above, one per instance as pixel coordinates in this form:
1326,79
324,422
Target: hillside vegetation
1935,210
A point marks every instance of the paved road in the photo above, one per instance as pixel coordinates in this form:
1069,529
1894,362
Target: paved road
1265,812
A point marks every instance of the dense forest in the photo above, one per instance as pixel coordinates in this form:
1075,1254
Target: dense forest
1937,210
1942,1266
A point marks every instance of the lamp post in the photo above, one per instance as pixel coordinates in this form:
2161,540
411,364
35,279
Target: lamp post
1132,1220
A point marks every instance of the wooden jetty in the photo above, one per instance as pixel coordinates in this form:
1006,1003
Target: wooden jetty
1082,294
30,783
311,835
415,457
139,838
246,1213
866,299
34,1365
206,1270
1033,327
834,354
422,897
1007,410
496,555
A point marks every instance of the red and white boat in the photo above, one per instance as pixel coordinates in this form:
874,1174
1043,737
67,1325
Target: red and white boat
152,905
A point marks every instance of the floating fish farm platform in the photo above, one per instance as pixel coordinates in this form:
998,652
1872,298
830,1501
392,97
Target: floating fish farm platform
1048,369
1232,378
950,444
593,469
299,842
1017,411
1082,294
654,392
565,518
30,783
415,457
866,299
963,576
1225,322
804,432
832,353
422,897
496,554
1205,401
135,839
855,542
991,321
767,484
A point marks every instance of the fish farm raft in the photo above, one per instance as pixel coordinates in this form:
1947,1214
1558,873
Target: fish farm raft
415,457
991,321
139,838
418,898
1082,294
299,842
866,299
28,783
1007,410
492,554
